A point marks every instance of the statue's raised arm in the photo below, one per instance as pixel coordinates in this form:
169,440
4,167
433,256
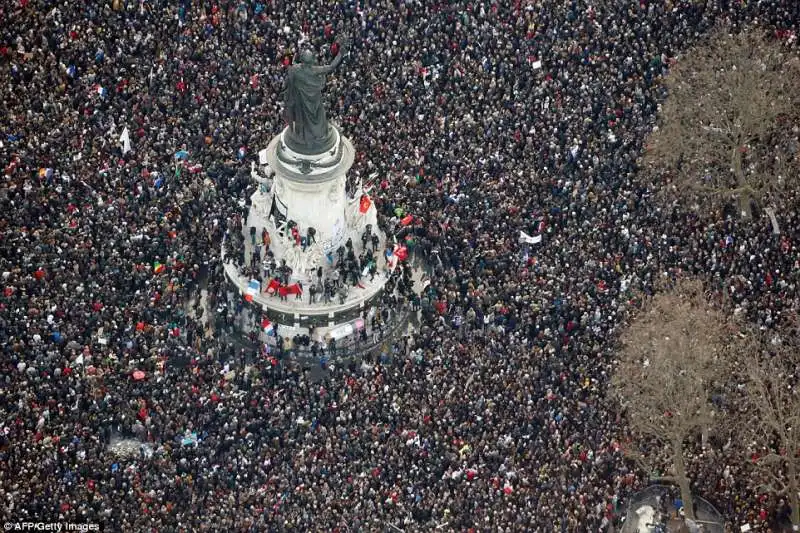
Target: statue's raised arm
308,131
344,47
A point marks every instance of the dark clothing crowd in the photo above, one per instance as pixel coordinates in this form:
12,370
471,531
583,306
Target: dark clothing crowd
128,130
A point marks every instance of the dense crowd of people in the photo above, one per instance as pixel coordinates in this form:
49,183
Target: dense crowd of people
128,131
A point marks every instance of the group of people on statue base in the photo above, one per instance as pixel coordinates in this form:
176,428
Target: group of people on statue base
348,267
302,241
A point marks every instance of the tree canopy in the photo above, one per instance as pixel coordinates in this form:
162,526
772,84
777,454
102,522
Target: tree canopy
670,357
725,130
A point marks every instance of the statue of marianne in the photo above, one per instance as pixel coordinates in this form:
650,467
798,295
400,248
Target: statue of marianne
303,108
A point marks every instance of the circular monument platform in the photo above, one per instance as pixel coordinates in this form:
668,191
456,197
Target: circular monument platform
312,227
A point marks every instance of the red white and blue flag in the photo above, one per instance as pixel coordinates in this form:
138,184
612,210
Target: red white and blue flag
253,288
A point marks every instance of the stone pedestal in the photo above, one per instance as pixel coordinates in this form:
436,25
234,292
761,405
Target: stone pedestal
311,188
307,192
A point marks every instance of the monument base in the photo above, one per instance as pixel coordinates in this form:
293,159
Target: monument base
309,221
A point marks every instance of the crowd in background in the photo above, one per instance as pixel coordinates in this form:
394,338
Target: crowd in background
128,129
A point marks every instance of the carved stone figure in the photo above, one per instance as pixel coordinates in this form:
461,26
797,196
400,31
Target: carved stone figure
309,131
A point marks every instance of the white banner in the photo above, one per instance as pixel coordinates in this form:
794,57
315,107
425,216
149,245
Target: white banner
125,139
524,237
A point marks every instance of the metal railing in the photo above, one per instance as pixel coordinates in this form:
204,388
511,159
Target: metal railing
349,348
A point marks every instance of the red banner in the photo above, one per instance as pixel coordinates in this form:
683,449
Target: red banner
294,288
273,286
364,204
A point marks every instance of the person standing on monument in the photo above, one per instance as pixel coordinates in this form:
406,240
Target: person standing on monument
303,108
266,240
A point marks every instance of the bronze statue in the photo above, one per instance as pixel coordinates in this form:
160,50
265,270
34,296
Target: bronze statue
308,132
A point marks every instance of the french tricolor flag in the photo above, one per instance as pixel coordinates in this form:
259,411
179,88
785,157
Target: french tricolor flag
253,288
391,259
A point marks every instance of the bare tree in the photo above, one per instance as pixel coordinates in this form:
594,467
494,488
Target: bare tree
670,357
731,103
773,398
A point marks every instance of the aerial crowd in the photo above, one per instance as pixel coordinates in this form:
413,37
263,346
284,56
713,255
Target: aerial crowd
128,131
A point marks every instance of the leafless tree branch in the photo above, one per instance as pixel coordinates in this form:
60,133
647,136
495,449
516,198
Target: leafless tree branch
773,395
728,99
671,357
